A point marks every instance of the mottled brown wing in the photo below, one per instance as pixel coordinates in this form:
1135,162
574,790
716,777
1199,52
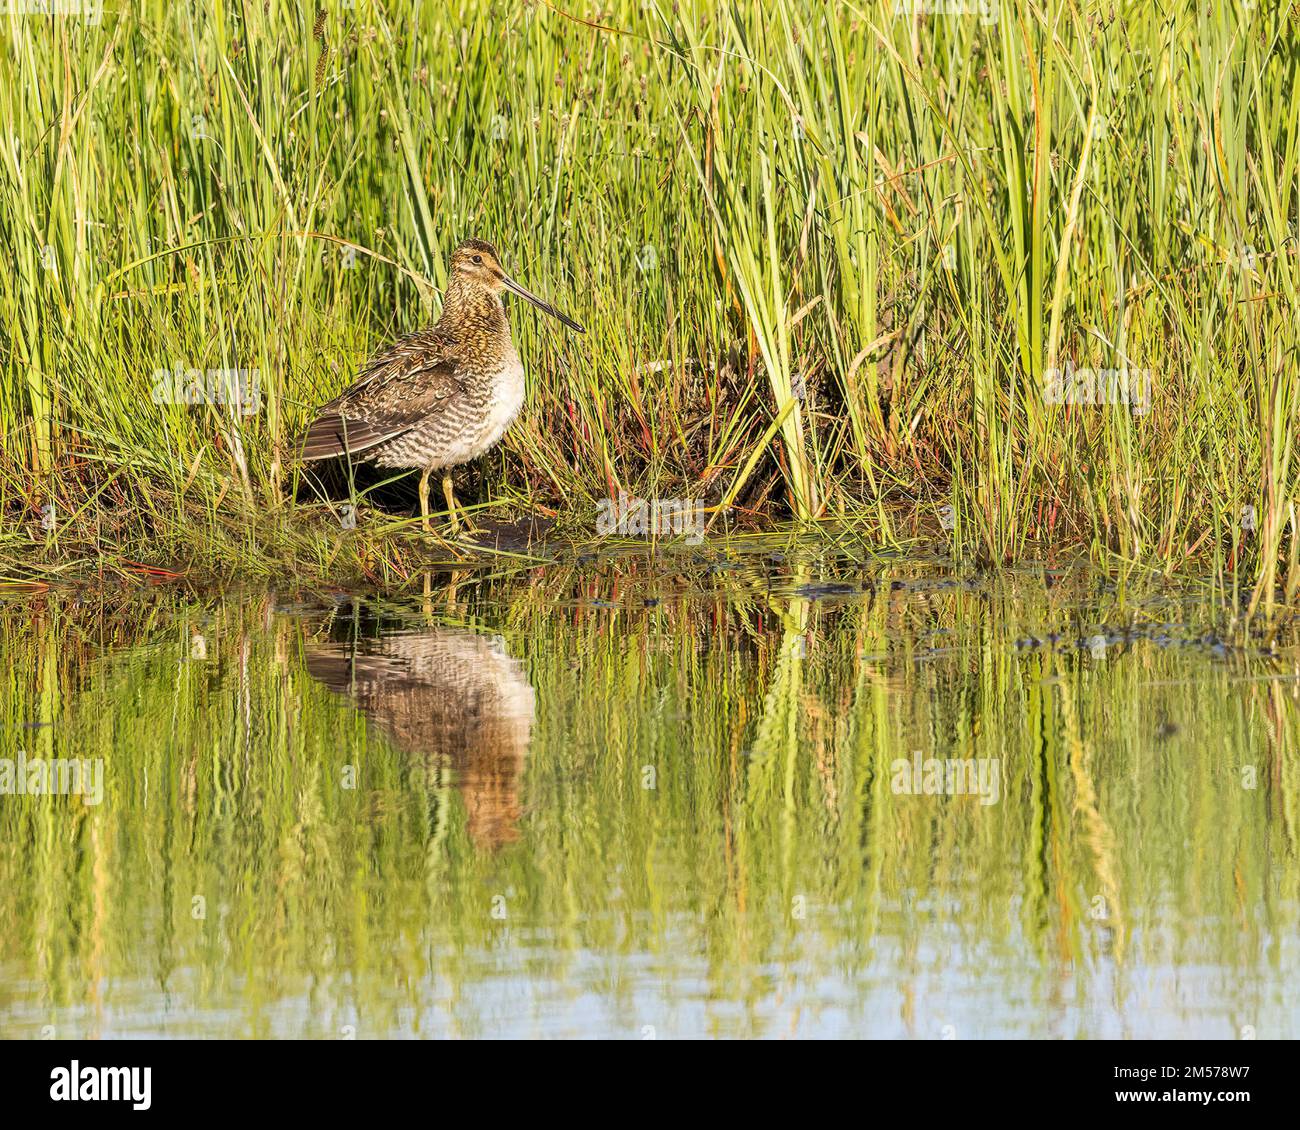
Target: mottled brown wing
409,381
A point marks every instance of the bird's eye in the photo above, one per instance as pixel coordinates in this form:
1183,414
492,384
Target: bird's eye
478,258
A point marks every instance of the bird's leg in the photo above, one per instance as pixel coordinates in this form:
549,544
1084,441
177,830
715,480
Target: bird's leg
450,496
424,500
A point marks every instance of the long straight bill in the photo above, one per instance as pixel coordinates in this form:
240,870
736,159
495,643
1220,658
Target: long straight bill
542,305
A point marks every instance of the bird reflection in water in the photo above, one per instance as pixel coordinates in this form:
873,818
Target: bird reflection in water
454,698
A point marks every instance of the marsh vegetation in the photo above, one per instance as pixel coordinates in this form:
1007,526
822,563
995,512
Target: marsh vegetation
831,257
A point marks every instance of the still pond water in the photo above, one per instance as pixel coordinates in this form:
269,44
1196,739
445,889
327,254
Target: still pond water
762,797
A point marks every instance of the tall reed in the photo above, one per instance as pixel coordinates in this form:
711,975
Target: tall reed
832,257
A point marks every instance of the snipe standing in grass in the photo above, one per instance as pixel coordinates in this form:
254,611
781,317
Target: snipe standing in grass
438,397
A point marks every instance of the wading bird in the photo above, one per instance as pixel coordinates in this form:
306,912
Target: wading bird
441,396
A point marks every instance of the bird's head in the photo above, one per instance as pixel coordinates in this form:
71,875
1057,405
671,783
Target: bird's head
475,261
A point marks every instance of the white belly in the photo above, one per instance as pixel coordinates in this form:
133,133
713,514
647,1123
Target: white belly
507,399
